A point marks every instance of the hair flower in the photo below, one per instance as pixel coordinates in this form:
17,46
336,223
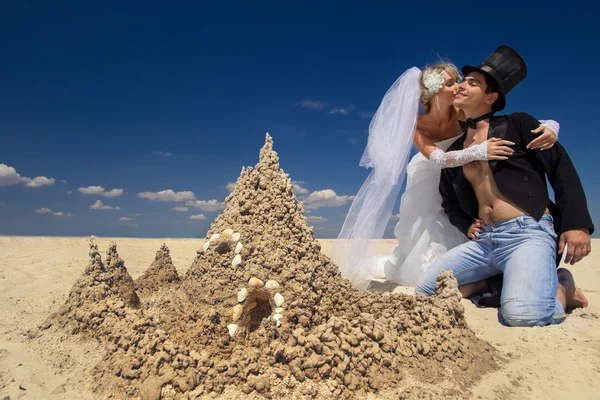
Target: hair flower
434,81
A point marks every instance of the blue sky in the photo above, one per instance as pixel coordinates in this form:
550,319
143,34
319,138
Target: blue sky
109,103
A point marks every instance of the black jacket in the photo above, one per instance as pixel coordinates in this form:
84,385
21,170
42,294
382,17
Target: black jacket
521,178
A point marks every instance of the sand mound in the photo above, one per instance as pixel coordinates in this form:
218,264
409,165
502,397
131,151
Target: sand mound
161,274
261,309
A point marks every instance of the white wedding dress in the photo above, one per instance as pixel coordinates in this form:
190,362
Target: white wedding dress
423,230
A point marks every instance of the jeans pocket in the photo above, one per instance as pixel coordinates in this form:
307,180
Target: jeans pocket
547,231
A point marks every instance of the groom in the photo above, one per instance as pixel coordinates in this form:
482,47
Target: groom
511,198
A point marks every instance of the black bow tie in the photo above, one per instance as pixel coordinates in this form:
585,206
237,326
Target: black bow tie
472,122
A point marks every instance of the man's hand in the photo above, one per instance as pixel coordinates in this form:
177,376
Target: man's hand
578,244
476,226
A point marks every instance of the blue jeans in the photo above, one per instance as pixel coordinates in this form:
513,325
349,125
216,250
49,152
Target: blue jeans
525,251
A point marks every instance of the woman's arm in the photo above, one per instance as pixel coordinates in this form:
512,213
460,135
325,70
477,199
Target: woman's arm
491,149
549,135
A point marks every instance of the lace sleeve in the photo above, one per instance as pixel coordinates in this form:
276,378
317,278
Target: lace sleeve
548,123
458,158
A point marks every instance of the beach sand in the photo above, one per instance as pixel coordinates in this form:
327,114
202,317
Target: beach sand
36,274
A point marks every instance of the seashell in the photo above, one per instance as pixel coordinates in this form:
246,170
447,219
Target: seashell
278,323
233,329
236,236
237,260
238,247
272,285
214,237
277,317
236,312
206,245
242,294
255,282
227,232
278,310
279,300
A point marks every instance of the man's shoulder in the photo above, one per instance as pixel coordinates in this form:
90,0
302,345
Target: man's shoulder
521,117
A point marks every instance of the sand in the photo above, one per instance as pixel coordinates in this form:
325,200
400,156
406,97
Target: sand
261,312
37,273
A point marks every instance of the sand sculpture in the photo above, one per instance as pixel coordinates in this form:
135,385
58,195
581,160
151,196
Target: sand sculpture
261,310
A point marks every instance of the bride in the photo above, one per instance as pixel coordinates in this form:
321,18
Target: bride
423,230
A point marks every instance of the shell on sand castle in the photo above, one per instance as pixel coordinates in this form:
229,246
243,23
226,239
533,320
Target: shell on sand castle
214,237
242,294
206,245
278,299
227,232
238,247
236,312
271,285
255,283
233,329
237,260
236,236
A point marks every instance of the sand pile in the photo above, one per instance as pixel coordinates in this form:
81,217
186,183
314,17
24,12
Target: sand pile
262,310
161,274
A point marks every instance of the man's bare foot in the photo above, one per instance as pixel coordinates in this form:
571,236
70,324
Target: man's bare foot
572,295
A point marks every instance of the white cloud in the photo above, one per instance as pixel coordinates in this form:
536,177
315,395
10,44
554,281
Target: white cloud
100,191
9,176
326,198
99,206
316,219
125,219
341,110
199,217
43,211
299,189
61,214
69,192
363,114
137,214
63,181
38,181
206,205
162,153
180,209
230,186
167,195
312,104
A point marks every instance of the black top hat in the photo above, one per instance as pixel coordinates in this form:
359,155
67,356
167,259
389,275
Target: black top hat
506,67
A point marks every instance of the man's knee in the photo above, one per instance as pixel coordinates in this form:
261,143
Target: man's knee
426,286
516,313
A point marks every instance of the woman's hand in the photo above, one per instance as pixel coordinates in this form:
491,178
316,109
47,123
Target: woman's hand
497,149
545,141
476,226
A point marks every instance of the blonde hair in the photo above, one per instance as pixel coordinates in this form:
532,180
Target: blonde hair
426,94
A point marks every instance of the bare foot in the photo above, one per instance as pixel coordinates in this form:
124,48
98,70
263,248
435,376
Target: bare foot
573,296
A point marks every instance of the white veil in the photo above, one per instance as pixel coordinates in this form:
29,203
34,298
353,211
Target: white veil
390,141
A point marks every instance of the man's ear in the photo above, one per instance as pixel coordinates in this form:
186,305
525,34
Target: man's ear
492,97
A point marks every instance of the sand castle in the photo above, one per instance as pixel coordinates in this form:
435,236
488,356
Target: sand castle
262,311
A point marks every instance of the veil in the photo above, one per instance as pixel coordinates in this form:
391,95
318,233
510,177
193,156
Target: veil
390,141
